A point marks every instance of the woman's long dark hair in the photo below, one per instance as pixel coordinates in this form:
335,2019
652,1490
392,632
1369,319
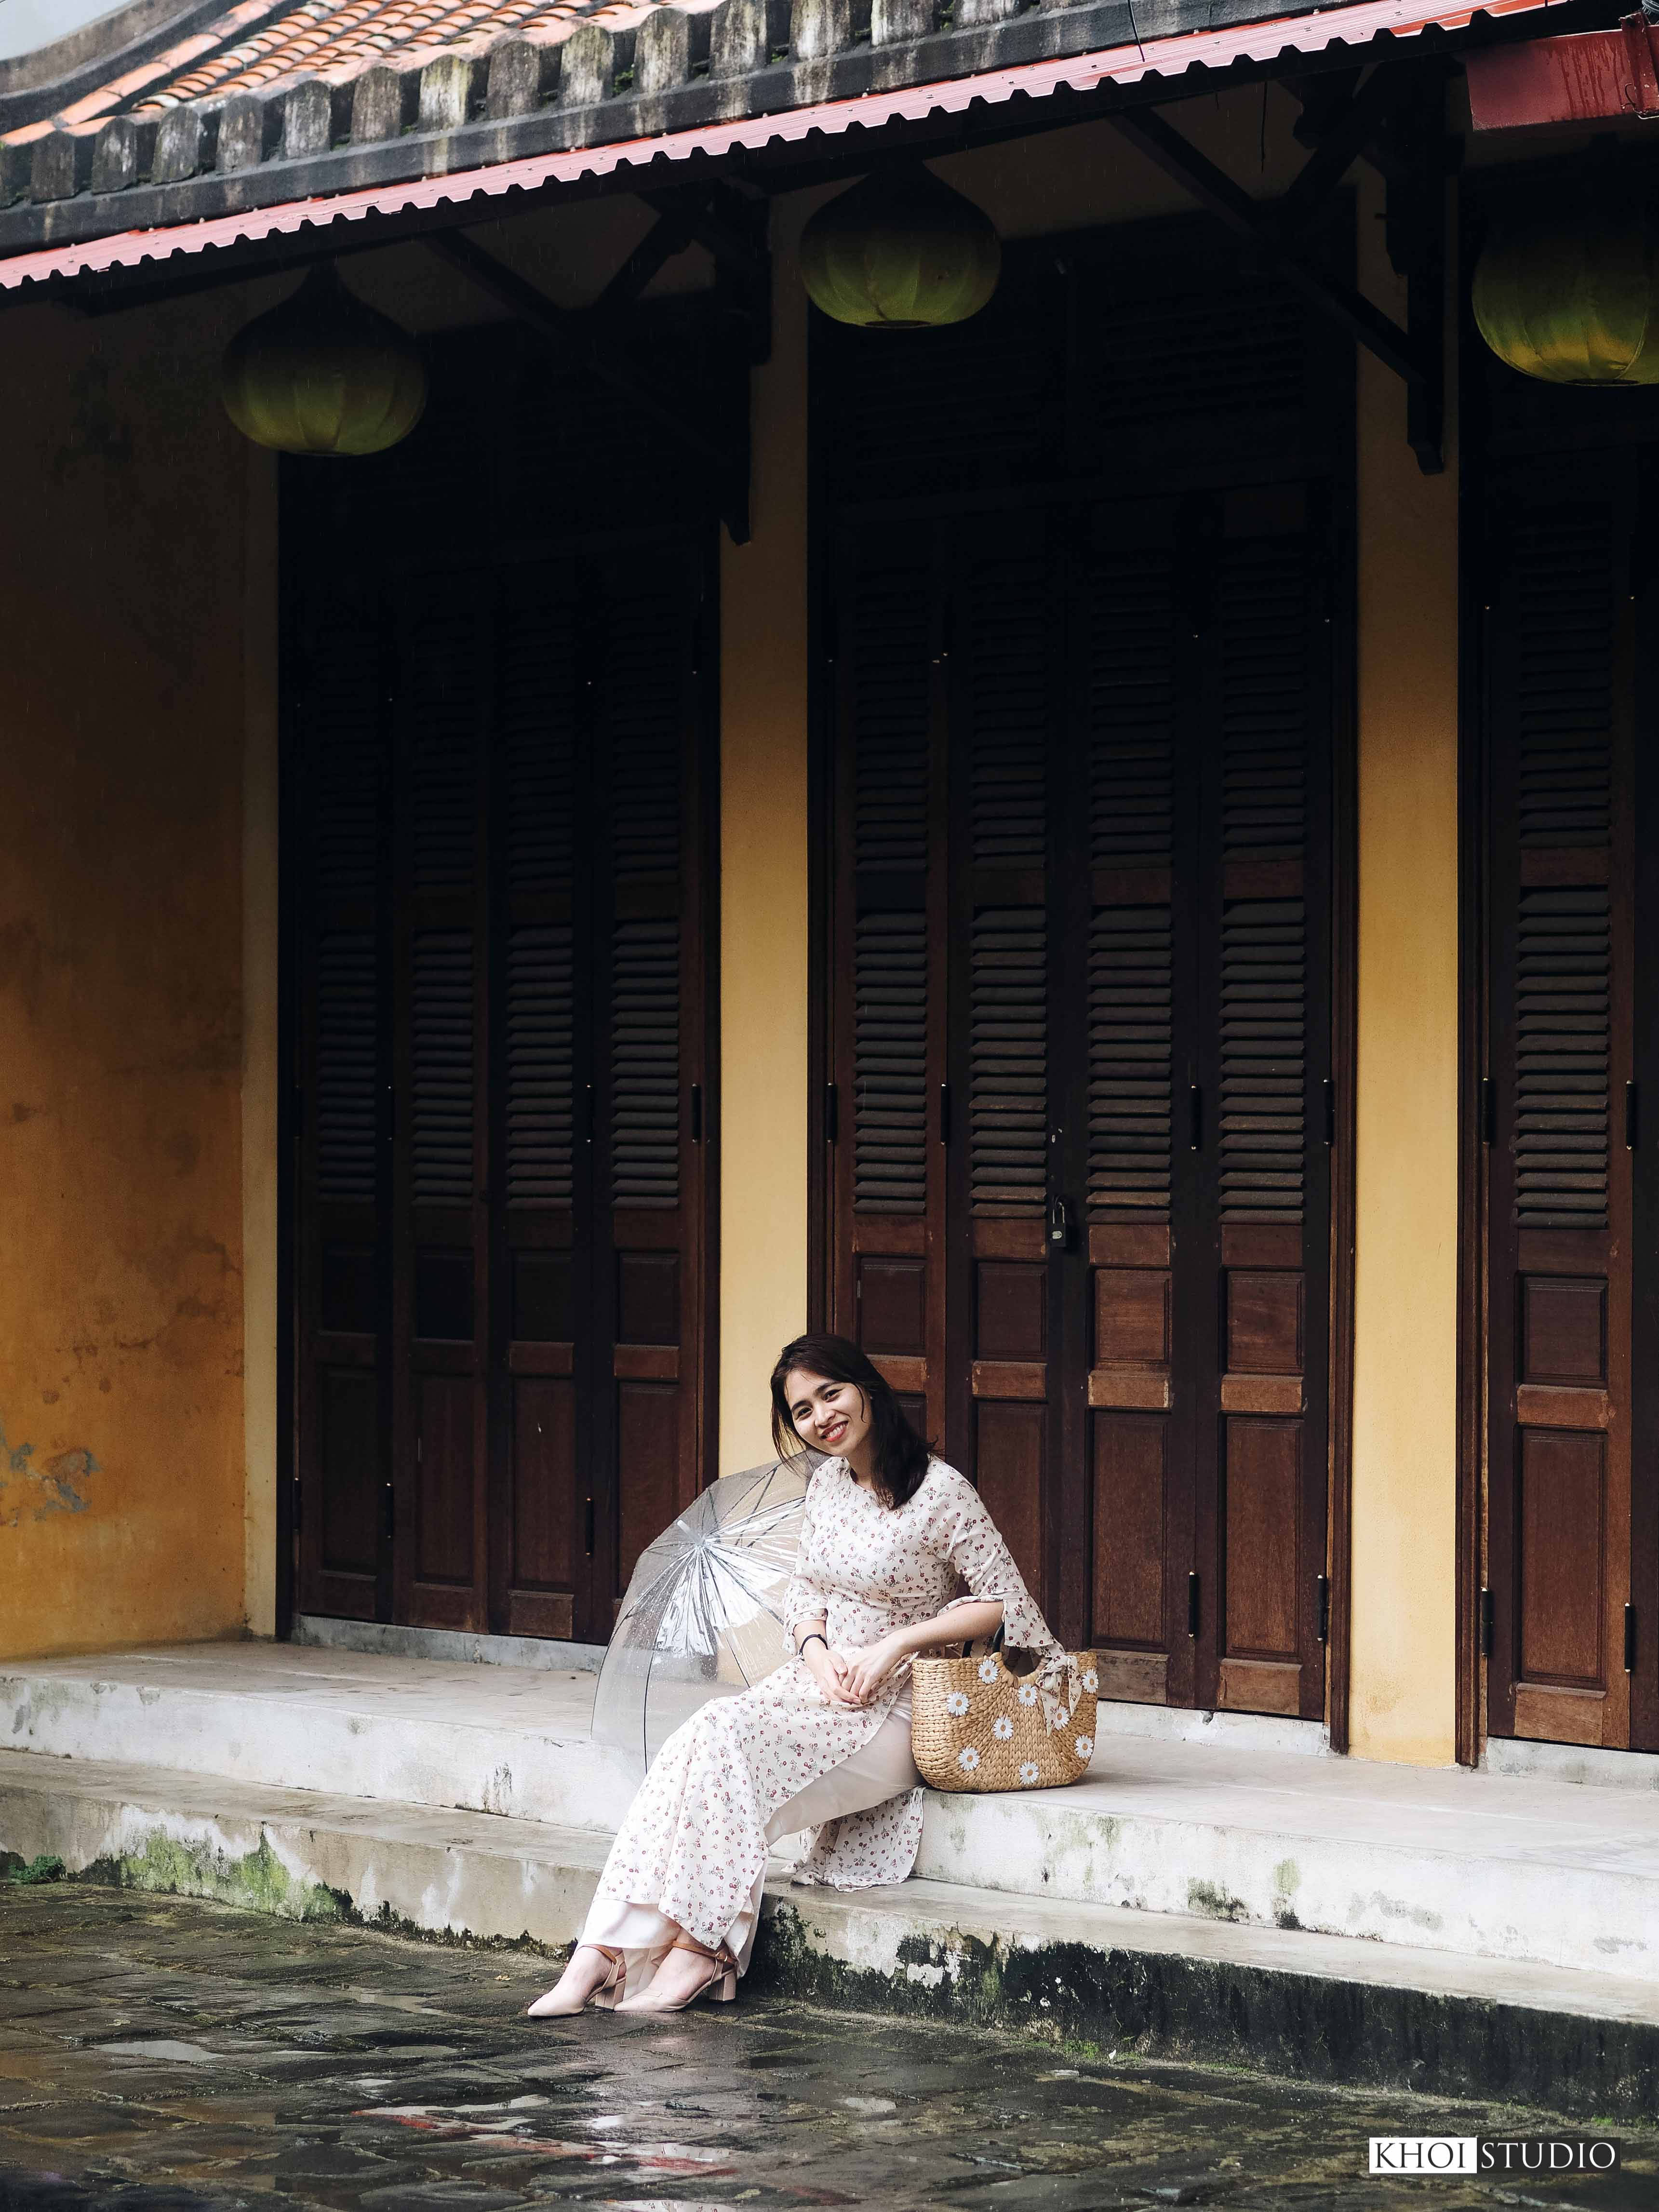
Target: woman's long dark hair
900,1456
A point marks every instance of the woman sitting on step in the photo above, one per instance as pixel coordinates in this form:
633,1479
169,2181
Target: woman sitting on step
897,1556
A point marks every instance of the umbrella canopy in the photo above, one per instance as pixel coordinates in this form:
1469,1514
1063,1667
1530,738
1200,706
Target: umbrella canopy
704,1616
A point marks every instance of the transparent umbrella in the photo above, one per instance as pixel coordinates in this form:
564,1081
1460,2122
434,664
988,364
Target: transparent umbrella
704,1616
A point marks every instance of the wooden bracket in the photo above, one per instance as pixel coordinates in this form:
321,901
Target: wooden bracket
587,334
1415,353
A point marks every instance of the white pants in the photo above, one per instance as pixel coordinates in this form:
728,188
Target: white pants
881,1768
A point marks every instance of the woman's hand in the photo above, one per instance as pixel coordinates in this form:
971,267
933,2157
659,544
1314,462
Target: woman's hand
829,1669
868,1669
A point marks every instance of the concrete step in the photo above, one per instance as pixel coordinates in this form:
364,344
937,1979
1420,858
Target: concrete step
511,1740
1479,1865
1160,1985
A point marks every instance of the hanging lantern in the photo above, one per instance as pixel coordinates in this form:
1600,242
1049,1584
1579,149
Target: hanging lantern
1574,298
323,374
901,252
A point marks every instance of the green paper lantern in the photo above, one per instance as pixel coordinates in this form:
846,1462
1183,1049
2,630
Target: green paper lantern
1573,298
323,374
901,252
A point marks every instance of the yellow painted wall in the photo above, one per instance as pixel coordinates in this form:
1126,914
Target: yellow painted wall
763,886
121,764
1405,1426
261,858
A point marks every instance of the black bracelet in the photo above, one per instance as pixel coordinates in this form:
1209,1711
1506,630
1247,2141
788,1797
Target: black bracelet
800,1649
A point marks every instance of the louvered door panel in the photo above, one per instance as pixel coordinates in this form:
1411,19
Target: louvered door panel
1007,636
1265,976
648,1253
544,1326
440,1155
887,1197
1559,1051
340,710
1134,684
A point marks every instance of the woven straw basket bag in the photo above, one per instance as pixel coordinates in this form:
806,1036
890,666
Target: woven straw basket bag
975,1726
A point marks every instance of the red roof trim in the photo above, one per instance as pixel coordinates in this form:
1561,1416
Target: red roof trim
1353,25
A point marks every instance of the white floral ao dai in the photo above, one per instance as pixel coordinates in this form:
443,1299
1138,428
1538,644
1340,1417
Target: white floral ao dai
693,1843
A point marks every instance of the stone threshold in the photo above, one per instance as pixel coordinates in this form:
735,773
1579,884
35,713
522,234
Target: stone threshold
1157,1985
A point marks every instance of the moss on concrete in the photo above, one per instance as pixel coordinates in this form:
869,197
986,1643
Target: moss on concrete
1162,2005
257,1880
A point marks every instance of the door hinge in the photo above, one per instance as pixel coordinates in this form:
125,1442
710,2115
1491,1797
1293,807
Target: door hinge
1630,1639
388,1510
1486,1624
831,1113
1192,1605
297,1500
1322,1607
1632,1117
1488,1111
588,1533
1194,1119
1327,1089
696,1112
589,1122
945,1113
296,1112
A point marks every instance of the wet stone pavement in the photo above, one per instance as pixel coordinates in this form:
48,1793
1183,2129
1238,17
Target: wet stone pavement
159,2055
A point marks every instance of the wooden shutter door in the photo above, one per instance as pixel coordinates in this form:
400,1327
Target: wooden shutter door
440,1158
543,1305
1560,947
343,1050
887,992
649,1070
1261,1227
1005,669
1135,683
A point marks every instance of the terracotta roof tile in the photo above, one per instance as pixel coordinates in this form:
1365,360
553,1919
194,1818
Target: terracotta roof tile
339,39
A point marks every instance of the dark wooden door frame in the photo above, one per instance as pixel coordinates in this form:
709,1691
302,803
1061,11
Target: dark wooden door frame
820,1129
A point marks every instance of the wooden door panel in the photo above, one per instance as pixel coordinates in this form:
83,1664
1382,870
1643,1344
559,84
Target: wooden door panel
648,1466
446,1459
547,1532
1265,1052
1564,1330
341,1264
346,1480
886,1049
1136,681
1560,1188
1131,1481
1009,1458
1562,1496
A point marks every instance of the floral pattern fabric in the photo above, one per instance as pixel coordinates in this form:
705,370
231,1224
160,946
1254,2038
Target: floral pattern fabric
694,1839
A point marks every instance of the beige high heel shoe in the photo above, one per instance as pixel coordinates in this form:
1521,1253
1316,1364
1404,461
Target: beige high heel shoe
607,1995
720,1986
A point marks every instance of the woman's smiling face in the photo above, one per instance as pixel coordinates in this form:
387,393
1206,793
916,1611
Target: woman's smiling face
831,1416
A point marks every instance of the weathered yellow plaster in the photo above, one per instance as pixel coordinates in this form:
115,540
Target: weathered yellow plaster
763,885
1405,1426
121,762
260,861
